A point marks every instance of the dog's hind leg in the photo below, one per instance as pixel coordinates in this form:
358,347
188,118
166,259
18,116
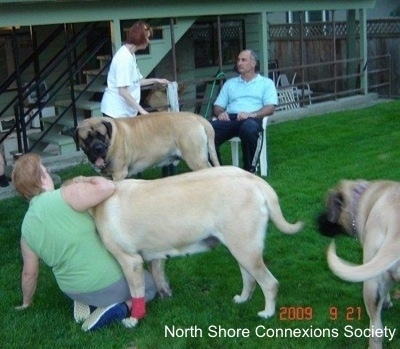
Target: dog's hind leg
249,284
158,272
199,162
375,295
253,268
269,286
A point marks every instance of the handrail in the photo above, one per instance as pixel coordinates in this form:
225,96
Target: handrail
74,71
76,61
24,65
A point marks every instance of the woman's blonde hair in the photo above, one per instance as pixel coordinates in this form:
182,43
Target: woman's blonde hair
27,175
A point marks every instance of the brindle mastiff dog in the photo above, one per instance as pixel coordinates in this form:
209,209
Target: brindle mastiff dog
127,146
371,212
156,219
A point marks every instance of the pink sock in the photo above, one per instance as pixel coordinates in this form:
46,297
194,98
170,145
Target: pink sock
138,310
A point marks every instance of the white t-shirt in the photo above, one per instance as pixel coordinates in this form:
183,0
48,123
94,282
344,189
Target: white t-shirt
123,72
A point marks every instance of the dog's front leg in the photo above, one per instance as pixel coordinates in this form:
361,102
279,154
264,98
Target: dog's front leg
119,174
132,265
158,272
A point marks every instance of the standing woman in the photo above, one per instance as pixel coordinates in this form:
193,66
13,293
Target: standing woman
122,95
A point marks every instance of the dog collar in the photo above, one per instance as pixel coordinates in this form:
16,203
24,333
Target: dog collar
358,190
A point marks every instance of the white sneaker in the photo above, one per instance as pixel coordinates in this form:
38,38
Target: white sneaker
81,312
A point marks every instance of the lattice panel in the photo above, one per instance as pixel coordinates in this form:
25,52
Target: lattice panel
231,32
387,27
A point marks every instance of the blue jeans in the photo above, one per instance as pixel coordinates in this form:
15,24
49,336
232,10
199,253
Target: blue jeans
249,131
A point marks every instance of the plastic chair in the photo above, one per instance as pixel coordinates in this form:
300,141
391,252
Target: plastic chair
301,91
263,165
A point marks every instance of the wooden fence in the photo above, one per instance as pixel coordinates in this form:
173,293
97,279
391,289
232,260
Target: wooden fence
294,45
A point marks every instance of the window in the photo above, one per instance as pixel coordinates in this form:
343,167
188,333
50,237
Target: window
205,36
309,16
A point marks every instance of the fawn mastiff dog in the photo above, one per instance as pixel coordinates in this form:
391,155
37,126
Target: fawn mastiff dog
126,146
371,212
156,219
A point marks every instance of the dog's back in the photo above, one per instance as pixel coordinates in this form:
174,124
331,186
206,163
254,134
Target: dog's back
187,208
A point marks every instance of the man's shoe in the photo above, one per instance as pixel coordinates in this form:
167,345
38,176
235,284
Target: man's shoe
104,316
81,312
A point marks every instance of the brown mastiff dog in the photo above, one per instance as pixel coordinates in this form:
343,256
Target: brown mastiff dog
127,146
156,219
371,212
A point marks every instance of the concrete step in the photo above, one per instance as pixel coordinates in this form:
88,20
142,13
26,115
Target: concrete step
104,59
84,105
92,108
92,88
94,72
66,121
64,143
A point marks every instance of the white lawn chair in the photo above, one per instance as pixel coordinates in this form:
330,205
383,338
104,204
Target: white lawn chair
300,91
263,165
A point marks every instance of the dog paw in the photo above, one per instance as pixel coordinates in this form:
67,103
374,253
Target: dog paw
239,299
387,305
129,322
165,292
266,314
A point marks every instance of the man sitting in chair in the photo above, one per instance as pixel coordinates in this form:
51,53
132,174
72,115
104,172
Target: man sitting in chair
240,107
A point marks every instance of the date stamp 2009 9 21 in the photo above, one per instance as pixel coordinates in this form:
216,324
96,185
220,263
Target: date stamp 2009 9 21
306,313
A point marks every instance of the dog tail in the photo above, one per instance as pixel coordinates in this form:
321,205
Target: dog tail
276,212
210,141
387,256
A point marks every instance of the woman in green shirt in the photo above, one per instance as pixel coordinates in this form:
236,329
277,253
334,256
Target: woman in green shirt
58,230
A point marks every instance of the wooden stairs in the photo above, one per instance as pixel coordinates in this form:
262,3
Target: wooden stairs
56,136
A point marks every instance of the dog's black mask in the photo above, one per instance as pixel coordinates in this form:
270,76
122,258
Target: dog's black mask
328,228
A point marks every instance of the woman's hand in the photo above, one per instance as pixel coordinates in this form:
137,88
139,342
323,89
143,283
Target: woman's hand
163,81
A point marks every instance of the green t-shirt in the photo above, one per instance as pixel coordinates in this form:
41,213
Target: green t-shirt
67,241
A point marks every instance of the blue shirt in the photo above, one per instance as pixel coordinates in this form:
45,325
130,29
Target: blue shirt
237,95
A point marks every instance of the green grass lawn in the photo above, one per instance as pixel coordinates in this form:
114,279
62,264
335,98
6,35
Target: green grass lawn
305,158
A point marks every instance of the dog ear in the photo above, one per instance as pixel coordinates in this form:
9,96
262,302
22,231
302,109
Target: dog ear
327,222
108,126
334,206
327,228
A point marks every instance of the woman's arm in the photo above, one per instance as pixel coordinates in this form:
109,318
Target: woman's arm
29,277
146,82
85,192
124,92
